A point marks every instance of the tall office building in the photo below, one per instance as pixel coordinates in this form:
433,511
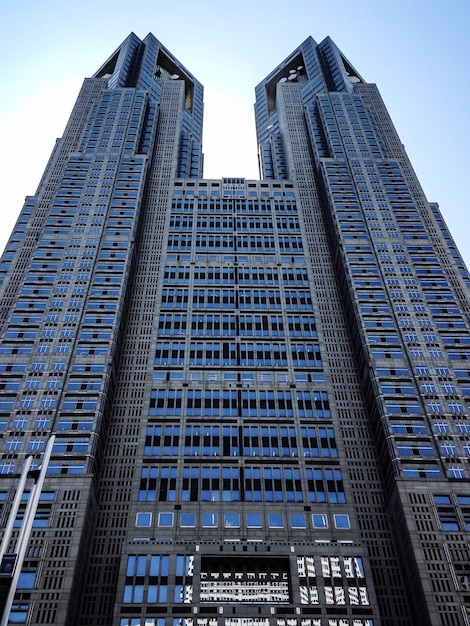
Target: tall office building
254,394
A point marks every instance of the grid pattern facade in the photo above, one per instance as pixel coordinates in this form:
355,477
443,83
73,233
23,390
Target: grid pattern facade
258,389
239,447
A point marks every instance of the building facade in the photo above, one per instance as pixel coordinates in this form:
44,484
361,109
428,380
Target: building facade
256,393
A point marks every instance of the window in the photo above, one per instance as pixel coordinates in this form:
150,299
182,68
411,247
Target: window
448,449
231,520
18,613
439,499
275,520
342,521
48,402
6,467
319,520
143,520
272,484
313,404
456,471
27,402
36,444
26,580
254,520
188,520
448,522
210,520
138,568
42,423
13,445
297,520
325,485
165,520
269,441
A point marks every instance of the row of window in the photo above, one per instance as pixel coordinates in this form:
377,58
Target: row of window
54,468
209,242
22,423
237,325
62,347
147,581
432,471
49,402
235,484
453,512
211,440
212,259
238,354
231,299
233,275
224,222
215,205
241,621
37,445
243,376
234,403
252,520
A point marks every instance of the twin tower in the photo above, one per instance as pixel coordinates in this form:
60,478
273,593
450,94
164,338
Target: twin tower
249,399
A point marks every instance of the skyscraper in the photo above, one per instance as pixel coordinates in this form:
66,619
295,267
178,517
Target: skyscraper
238,403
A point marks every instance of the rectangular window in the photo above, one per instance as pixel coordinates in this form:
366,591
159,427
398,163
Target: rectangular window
320,520
143,520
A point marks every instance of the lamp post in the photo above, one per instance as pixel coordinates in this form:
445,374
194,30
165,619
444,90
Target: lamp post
11,564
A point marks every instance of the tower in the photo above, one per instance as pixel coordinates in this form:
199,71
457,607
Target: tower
257,389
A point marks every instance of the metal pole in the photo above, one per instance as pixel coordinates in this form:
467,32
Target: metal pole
15,506
26,530
28,520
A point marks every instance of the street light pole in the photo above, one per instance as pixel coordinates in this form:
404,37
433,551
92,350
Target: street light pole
25,531
14,507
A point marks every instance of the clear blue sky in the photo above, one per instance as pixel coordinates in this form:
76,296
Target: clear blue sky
417,51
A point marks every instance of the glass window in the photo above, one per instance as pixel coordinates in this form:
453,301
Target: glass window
254,520
275,520
210,520
438,499
456,472
411,472
441,427
449,522
18,614
26,580
342,521
448,449
319,520
143,519
231,520
165,519
188,520
297,520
